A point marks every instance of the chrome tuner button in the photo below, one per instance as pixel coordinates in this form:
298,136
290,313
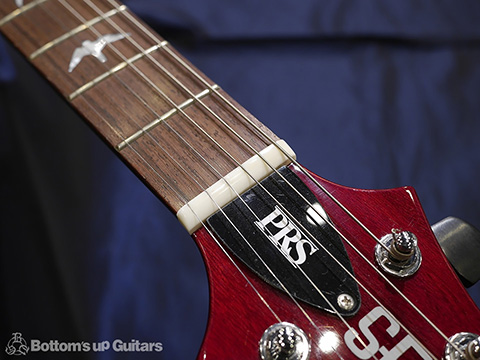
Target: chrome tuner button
284,341
398,253
463,346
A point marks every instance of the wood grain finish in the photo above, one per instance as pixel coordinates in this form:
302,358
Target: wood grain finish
177,159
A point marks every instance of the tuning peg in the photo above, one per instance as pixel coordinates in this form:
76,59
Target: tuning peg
460,242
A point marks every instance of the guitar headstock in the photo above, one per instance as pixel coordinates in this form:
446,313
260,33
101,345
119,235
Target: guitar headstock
413,315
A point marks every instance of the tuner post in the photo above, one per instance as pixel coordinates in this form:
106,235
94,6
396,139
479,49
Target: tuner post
284,341
398,253
463,346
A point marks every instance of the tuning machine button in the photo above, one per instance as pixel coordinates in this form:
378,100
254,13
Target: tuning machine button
460,242
398,253
463,346
284,341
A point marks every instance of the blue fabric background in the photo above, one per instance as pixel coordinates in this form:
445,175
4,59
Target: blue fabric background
368,94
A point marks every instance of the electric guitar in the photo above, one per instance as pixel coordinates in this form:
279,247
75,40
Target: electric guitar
299,267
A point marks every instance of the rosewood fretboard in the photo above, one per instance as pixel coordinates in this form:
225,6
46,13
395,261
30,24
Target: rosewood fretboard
144,84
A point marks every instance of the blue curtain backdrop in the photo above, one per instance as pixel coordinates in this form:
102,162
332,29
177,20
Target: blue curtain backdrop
368,94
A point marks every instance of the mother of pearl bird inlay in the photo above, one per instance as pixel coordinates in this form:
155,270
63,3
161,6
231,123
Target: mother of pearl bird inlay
19,3
93,48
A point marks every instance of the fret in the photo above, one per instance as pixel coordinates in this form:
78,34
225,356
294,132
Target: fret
113,70
164,117
76,30
20,11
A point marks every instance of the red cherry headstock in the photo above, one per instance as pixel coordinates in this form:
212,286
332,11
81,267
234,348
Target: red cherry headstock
409,318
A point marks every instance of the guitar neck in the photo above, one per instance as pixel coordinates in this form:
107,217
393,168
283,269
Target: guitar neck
172,125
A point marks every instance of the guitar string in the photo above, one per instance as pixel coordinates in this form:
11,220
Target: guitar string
321,187
143,159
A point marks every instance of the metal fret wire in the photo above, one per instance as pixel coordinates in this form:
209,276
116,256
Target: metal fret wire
233,107
240,112
203,187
